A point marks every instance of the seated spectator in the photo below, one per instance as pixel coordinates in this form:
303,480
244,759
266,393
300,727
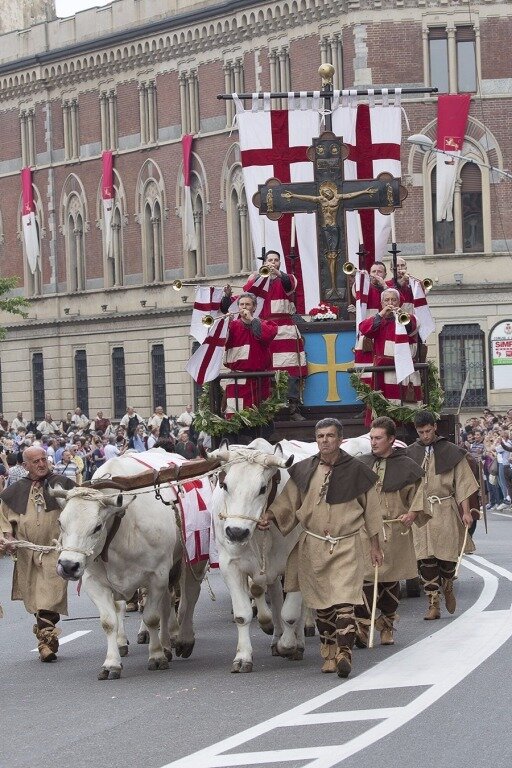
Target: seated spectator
130,420
80,420
186,418
101,424
66,424
111,449
47,426
4,424
184,446
18,422
156,419
67,467
152,438
79,461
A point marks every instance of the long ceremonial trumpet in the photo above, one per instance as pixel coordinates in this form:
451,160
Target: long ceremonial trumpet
209,320
177,285
402,317
350,269
264,271
427,283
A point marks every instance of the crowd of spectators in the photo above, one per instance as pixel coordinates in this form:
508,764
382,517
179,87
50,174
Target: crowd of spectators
488,438
76,445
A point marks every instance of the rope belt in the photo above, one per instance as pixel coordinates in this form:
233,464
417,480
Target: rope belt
437,500
332,540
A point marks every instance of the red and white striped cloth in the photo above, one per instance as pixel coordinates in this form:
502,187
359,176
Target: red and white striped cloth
107,196
426,323
28,218
189,229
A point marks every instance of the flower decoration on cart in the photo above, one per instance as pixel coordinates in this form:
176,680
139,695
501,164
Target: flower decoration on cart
324,311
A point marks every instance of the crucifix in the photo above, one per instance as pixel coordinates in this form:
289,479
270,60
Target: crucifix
329,196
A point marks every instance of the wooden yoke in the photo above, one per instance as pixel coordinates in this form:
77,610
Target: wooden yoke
188,470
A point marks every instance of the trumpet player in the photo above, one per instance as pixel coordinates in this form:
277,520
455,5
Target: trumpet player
402,285
247,349
382,329
287,348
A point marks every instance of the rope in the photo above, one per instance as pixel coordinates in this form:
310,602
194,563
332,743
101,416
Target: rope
437,500
332,540
43,549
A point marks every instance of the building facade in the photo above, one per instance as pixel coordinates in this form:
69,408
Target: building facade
104,329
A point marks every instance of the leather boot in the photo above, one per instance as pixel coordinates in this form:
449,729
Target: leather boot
48,642
328,653
385,626
343,661
433,607
449,597
362,633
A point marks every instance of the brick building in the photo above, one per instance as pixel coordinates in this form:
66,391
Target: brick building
134,77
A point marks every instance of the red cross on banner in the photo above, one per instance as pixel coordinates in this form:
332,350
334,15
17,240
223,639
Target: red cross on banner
206,362
281,156
373,136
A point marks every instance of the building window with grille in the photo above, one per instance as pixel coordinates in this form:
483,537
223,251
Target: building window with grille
82,384
462,355
465,234
189,102
452,58
158,376
28,139
119,382
108,118
38,385
148,113
70,125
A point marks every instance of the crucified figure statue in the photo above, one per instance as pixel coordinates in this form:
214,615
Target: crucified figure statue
329,201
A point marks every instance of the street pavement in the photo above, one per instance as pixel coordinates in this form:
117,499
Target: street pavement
441,696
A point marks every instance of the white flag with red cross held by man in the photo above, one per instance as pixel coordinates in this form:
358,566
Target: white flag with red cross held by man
207,302
206,362
28,218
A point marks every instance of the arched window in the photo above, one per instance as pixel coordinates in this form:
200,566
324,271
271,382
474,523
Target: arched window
467,227
234,202
74,225
151,211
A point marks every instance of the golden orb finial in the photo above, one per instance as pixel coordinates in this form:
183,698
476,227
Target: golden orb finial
326,72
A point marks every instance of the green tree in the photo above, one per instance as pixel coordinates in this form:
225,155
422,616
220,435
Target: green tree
16,305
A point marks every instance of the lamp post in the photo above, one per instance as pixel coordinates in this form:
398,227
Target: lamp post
426,145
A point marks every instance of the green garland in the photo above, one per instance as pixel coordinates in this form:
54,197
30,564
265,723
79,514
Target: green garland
380,405
256,416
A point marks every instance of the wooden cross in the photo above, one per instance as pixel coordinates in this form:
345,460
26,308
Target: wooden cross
328,196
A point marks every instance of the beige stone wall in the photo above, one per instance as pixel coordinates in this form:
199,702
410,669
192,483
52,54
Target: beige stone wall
21,14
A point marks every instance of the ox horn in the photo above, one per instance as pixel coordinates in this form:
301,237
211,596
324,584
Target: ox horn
221,453
280,461
58,492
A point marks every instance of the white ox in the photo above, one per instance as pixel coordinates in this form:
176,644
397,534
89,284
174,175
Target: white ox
146,551
252,561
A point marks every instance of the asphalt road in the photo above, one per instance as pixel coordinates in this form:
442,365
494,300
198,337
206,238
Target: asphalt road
441,696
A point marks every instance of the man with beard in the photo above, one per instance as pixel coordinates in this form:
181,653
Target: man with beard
448,482
401,501
29,513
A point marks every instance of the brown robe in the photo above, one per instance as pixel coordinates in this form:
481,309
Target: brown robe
443,536
396,540
35,580
327,574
